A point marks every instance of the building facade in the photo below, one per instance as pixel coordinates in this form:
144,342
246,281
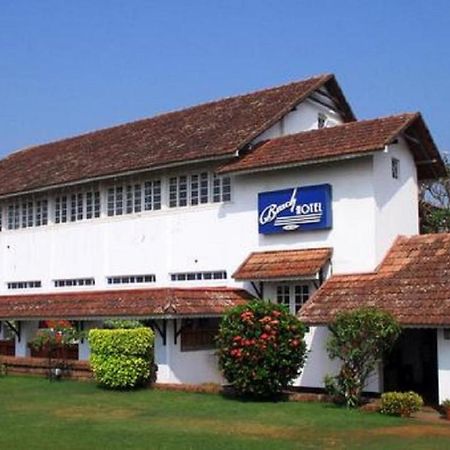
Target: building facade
172,220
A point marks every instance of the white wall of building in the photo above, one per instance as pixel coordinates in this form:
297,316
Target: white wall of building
303,118
397,211
187,367
443,348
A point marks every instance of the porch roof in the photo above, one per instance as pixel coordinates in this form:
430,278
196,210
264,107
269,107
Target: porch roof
412,283
283,264
132,303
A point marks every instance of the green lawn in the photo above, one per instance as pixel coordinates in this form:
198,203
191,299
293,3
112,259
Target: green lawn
37,414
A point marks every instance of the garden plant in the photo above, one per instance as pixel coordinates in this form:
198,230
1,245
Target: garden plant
261,348
359,338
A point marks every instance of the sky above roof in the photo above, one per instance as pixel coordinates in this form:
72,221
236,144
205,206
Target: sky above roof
72,67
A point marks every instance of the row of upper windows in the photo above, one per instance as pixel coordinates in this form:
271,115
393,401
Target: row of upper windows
122,198
120,279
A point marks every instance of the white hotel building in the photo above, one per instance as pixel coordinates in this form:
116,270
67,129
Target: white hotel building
274,194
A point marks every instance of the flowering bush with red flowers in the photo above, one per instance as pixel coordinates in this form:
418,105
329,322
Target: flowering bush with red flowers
261,348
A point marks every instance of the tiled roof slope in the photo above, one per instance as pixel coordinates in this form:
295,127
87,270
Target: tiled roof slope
121,303
283,264
354,138
413,283
211,130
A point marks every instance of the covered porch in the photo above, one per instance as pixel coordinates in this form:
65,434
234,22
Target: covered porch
413,284
184,321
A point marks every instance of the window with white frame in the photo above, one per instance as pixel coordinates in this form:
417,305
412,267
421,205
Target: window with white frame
131,279
23,284
198,188
221,189
196,276
77,206
292,296
74,282
134,197
27,212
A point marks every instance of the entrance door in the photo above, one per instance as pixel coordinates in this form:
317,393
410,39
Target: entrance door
412,365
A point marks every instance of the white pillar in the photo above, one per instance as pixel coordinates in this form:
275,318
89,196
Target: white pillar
84,351
162,352
27,331
443,349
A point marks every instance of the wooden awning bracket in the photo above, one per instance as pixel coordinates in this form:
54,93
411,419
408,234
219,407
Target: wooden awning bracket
15,330
259,290
161,331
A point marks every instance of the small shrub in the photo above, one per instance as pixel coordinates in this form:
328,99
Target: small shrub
261,348
114,324
359,338
446,404
122,358
400,403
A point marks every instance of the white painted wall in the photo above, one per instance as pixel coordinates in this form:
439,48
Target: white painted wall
443,348
302,118
28,330
175,366
397,209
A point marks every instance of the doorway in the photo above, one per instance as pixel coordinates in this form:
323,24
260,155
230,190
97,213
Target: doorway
412,365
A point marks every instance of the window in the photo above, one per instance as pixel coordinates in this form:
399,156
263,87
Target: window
395,168
23,284
192,276
133,198
152,195
198,334
131,279
221,189
61,209
321,120
195,189
74,282
293,297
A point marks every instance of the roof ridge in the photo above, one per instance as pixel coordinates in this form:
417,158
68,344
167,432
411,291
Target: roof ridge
321,77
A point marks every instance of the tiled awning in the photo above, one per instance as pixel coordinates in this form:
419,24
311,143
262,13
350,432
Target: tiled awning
136,303
412,283
284,264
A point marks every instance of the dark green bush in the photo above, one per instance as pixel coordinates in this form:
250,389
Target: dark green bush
400,403
261,348
122,358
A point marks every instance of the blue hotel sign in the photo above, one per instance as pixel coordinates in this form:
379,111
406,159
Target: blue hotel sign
301,208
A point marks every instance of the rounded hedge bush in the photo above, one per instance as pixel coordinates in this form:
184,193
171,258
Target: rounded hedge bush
121,358
260,348
400,403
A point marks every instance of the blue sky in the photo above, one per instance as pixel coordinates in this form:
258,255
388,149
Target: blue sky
70,67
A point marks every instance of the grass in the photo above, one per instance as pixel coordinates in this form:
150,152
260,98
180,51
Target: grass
37,414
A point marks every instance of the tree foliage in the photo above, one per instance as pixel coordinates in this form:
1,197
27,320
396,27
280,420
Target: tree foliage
260,348
434,203
359,338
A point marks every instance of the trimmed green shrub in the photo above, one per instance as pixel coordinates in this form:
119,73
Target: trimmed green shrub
261,348
400,403
359,338
122,358
114,324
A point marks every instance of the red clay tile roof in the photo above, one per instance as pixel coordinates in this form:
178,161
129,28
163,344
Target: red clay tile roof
413,283
122,303
212,130
283,264
354,138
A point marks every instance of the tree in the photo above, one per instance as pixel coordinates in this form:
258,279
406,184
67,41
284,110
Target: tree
434,203
359,338
260,348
